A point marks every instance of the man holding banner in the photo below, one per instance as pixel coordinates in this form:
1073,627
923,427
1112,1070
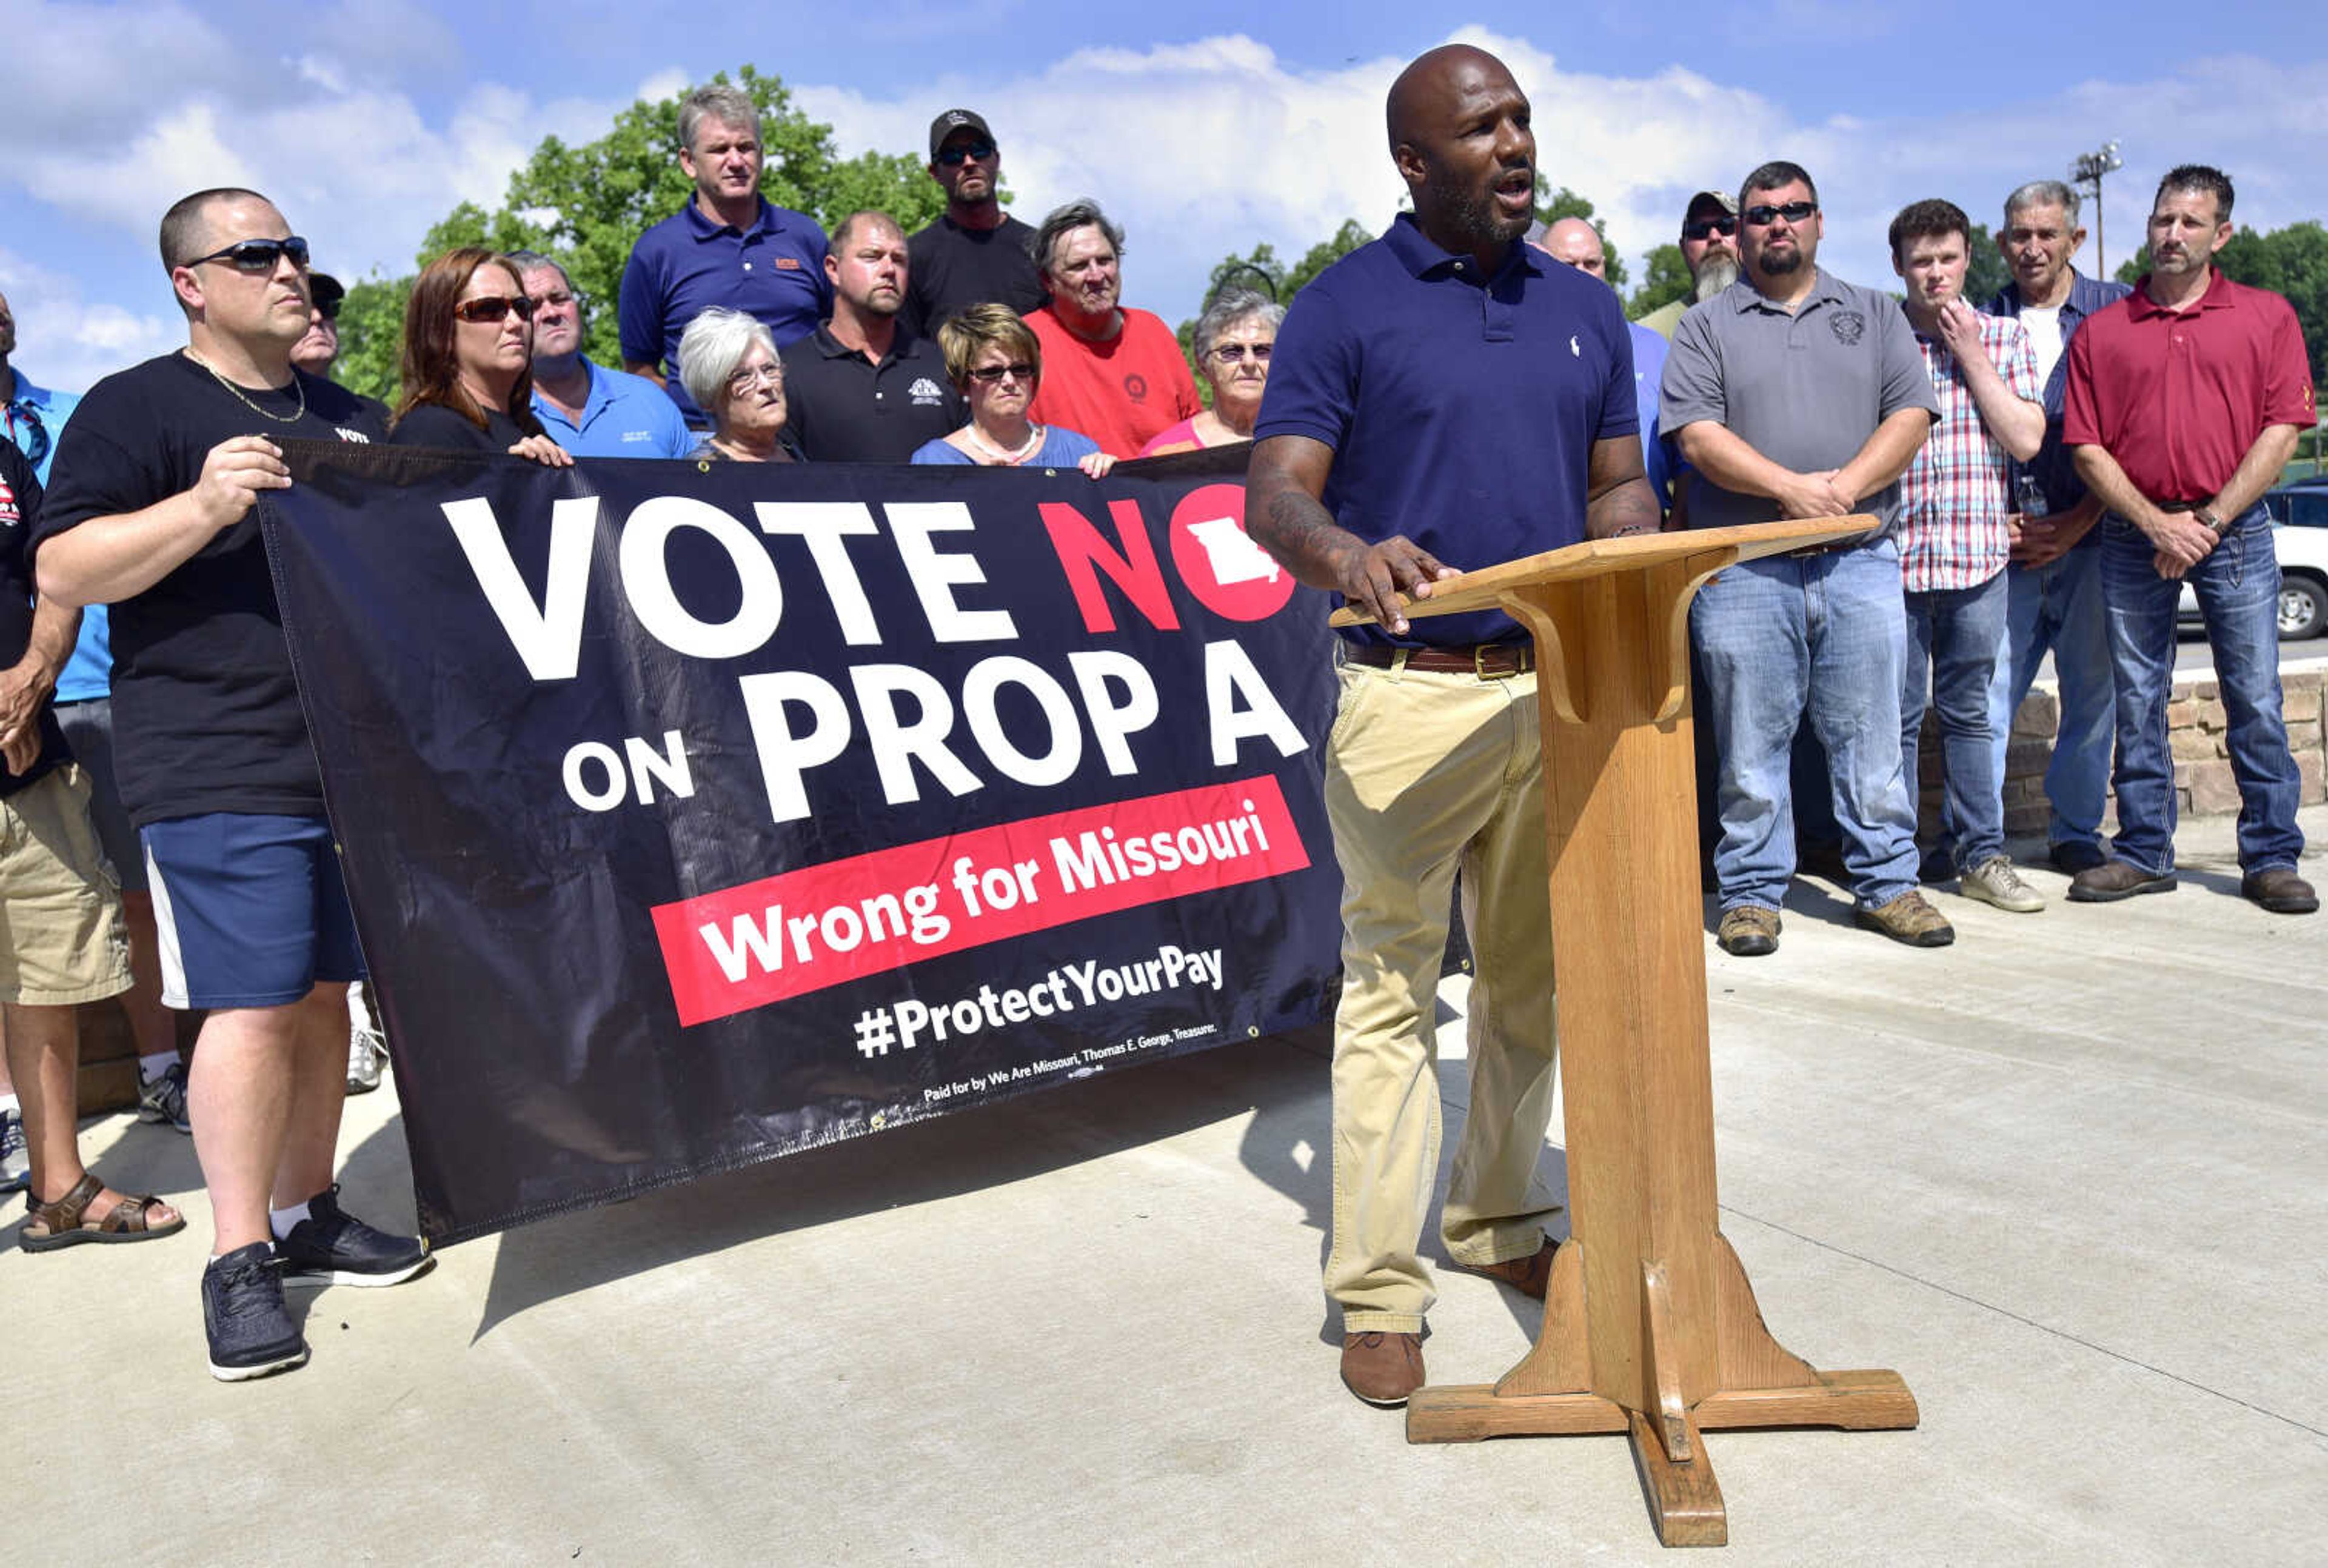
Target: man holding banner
150,513
1445,391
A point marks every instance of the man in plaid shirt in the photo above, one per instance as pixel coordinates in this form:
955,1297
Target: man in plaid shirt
1954,537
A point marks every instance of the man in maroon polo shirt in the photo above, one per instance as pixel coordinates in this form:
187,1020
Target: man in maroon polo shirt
2184,402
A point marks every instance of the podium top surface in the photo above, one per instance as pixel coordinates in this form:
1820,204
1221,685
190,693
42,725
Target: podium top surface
1483,588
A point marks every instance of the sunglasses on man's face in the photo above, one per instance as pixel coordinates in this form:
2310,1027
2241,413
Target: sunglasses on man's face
257,255
952,157
494,308
1699,228
1763,216
991,374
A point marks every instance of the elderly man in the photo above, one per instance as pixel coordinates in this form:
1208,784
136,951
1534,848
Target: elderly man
150,514
975,253
1115,374
1578,243
1446,348
1795,394
2054,586
2184,402
1709,248
861,389
588,409
729,246
1953,535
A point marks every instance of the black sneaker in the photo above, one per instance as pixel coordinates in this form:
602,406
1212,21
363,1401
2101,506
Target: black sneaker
249,1332
164,1099
332,1248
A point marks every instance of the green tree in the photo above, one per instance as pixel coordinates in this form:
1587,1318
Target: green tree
1665,278
587,205
1986,278
1552,205
1262,270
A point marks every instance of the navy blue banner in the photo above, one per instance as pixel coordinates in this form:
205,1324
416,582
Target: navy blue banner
698,813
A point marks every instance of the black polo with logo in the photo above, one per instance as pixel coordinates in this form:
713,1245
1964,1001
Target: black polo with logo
844,409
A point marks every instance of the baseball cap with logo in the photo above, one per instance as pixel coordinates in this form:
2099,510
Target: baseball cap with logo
952,120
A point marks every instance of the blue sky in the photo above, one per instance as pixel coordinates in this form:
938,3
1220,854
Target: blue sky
1204,127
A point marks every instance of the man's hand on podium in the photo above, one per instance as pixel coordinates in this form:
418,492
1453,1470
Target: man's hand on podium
1373,577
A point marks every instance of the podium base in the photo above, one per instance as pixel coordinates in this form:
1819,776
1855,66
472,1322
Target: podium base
1546,1396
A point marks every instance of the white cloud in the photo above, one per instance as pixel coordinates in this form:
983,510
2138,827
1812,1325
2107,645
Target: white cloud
67,341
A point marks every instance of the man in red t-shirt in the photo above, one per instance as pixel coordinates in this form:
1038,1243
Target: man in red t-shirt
1116,375
2184,402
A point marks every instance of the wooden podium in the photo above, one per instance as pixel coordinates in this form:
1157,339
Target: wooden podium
1649,1325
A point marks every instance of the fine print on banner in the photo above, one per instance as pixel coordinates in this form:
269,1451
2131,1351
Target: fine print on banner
697,814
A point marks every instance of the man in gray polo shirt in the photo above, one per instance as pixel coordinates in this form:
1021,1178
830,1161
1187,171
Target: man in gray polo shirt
1795,394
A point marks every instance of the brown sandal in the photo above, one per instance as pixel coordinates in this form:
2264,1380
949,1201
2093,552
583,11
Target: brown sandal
66,1224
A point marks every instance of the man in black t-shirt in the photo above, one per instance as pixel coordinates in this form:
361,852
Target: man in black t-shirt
62,937
149,511
862,389
975,253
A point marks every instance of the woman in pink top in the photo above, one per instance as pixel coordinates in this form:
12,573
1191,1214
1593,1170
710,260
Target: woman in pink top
1233,337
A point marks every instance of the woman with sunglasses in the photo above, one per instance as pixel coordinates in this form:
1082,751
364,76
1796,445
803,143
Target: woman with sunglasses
995,360
468,362
728,362
1234,338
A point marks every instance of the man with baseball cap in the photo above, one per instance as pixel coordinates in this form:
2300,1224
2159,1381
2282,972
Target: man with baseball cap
1709,247
975,253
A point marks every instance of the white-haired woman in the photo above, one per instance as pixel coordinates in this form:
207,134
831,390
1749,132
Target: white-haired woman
1234,338
728,363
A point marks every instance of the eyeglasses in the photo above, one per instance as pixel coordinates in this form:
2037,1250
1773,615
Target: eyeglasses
330,313
257,255
1762,217
745,381
1234,353
991,374
952,157
1699,228
494,308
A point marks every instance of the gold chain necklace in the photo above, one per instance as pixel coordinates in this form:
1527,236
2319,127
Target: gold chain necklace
298,389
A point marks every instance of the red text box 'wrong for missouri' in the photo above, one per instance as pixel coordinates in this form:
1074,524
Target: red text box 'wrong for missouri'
780,936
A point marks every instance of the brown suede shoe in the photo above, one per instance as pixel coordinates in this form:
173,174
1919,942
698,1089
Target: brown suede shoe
2280,890
1909,919
1382,1368
1529,1276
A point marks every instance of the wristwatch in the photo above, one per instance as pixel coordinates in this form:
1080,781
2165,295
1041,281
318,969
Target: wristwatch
2206,514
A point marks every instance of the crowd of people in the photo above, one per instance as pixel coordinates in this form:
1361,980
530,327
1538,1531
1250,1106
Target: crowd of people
2045,473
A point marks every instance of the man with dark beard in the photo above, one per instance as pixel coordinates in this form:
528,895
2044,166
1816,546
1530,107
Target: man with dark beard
1794,394
1445,392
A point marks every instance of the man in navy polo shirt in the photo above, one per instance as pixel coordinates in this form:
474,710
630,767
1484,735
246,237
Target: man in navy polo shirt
588,409
728,245
1444,394
2184,402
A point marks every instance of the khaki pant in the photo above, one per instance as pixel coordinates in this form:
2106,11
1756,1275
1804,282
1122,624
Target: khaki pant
1425,772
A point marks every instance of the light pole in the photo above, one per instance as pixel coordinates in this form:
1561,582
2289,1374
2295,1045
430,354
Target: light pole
2087,170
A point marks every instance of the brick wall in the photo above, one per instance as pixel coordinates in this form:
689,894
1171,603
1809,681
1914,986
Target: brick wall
2195,725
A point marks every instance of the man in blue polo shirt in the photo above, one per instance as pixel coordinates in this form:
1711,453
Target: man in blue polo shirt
588,409
1444,394
728,245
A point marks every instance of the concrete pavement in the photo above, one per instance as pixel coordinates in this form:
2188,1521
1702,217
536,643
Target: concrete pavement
2066,1177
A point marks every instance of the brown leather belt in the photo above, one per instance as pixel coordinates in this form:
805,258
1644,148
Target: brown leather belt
1830,548
1487,660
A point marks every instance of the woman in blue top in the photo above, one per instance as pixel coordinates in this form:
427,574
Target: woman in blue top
993,357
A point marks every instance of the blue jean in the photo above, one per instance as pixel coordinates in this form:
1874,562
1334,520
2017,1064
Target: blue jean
1822,637
2237,586
1953,638
2058,608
